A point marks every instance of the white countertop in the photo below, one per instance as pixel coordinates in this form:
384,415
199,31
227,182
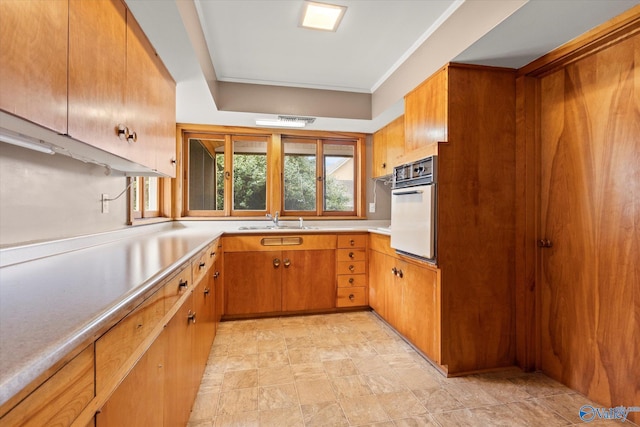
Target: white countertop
58,295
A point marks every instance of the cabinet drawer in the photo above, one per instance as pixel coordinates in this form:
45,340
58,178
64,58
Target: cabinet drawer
351,297
352,255
352,241
272,242
60,399
121,341
176,287
351,280
352,267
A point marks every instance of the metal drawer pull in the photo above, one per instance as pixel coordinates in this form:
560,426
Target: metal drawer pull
351,255
352,297
206,291
216,274
351,280
183,284
212,254
352,268
352,242
201,265
191,317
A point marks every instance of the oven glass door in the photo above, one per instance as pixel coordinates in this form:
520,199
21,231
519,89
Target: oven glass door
413,220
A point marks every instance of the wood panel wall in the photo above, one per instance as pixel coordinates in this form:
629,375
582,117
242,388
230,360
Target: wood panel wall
579,157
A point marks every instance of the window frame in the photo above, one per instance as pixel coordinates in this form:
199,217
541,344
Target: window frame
275,172
144,216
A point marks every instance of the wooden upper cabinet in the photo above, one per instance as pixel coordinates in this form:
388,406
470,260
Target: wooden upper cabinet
425,119
117,80
97,72
33,54
388,145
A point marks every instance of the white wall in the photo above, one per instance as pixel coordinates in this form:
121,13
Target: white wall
45,197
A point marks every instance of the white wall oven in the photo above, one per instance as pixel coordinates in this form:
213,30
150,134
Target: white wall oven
413,209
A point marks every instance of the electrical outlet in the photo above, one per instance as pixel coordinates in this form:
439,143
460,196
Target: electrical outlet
105,203
372,208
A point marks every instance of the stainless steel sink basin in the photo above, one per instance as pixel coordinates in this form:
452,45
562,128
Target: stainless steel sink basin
276,227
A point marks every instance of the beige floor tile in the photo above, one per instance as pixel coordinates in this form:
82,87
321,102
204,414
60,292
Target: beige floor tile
299,356
315,391
421,421
273,358
400,360
282,417
295,331
241,400
539,385
276,344
205,407
309,371
275,375
242,419
437,399
353,337
416,378
277,397
401,405
501,389
331,353
241,362
324,339
497,415
370,364
470,395
567,405
384,381
363,410
535,414
351,386
269,335
244,348
323,414
360,350
340,368
266,324
299,342
240,379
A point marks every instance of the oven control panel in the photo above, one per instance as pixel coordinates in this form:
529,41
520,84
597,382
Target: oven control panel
416,173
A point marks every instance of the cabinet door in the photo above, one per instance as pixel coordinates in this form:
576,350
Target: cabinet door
425,119
421,308
395,143
165,127
179,388
379,279
380,167
33,54
308,280
252,282
218,285
97,69
204,303
395,315
138,399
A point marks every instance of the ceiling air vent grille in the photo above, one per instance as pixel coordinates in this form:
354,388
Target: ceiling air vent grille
297,119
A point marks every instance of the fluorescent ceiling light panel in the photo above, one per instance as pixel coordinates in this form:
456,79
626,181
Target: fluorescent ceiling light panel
280,123
321,16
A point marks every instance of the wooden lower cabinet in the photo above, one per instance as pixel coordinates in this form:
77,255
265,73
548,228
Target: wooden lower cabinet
205,326
406,294
279,281
308,280
252,282
136,401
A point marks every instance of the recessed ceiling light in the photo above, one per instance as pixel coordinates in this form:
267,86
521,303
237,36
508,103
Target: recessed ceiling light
321,16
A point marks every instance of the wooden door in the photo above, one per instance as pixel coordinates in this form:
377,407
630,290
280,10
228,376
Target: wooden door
425,119
379,149
179,388
589,201
379,278
421,309
97,70
33,54
138,399
308,280
252,282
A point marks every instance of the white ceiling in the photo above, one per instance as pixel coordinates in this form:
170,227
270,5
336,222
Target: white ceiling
259,41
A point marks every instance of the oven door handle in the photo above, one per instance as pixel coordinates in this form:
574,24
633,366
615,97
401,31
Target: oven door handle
405,193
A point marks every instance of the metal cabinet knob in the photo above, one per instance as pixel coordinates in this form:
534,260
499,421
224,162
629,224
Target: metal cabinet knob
287,262
352,242
191,317
351,297
351,280
545,243
276,262
384,166
352,268
206,291
216,274
394,271
351,255
400,274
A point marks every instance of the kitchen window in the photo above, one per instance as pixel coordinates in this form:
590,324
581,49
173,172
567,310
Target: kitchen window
146,199
250,174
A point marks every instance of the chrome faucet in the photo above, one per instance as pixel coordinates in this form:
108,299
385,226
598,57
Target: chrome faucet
275,218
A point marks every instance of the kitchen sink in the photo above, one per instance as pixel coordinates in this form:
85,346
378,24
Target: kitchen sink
276,227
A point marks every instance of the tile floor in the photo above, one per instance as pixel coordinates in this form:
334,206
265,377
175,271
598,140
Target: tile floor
351,369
